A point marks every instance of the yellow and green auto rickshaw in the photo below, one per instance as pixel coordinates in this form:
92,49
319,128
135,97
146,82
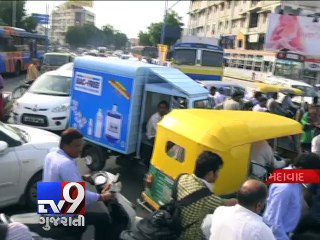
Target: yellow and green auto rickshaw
183,134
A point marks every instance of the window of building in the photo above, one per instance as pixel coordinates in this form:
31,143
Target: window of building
234,24
228,4
242,23
253,21
175,151
226,24
222,7
239,43
236,3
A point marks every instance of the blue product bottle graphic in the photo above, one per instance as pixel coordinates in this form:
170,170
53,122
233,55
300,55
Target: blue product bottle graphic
113,125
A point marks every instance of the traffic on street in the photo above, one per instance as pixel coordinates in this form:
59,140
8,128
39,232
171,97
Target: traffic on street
182,132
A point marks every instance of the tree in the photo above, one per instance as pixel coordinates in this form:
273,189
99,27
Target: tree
119,40
172,31
144,39
88,34
108,32
29,24
6,9
75,36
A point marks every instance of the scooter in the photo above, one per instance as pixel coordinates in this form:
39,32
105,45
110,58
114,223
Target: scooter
120,210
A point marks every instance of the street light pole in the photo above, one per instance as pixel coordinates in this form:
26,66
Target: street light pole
14,11
165,19
164,22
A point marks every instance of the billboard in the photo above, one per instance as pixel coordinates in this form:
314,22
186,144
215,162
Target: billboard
41,18
82,3
296,33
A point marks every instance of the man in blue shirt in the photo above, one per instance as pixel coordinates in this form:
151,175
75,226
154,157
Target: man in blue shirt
60,166
285,201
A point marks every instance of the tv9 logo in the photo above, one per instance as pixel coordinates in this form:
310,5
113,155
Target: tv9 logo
61,197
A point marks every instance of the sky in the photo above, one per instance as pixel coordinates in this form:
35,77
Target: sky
129,17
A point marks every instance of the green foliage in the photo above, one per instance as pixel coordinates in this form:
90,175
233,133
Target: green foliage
88,34
153,35
22,20
29,23
144,39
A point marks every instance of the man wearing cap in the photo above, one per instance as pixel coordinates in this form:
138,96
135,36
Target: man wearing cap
235,102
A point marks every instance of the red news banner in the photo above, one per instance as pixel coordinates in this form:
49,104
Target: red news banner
294,176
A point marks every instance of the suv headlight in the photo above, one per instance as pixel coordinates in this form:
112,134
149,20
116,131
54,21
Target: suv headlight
62,108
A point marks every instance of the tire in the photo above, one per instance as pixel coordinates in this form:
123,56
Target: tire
19,91
96,155
31,191
17,69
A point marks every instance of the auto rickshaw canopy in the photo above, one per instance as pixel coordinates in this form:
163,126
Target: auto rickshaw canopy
222,130
269,88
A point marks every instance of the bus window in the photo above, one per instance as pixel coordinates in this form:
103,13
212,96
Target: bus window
185,56
211,59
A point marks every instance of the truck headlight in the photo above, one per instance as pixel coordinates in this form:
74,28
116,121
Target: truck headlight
62,108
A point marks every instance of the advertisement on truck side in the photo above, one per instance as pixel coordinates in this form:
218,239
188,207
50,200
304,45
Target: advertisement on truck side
100,107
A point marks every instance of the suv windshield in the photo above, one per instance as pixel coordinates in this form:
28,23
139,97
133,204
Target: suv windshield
55,60
52,85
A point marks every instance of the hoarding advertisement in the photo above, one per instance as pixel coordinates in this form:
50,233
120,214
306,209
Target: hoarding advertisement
100,108
296,33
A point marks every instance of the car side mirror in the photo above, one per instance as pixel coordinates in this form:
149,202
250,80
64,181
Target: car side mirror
3,147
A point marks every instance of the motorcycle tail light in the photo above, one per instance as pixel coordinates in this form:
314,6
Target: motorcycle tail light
148,180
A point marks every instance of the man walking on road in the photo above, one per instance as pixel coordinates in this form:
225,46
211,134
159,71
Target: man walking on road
32,72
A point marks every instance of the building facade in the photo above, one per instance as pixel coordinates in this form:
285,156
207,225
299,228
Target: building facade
241,24
65,16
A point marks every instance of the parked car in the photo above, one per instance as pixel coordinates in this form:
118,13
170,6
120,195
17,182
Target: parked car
22,153
228,88
46,103
52,61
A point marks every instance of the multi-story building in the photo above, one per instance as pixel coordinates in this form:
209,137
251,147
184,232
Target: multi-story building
241,24
65,16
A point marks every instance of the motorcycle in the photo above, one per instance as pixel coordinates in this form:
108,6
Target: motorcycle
120,210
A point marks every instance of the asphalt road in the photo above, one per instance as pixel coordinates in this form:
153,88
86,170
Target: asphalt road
131,175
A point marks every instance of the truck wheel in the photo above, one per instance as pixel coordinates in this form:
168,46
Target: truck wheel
96,158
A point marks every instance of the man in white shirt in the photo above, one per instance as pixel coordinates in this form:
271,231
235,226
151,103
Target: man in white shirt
242,221
219,96
262,154
163,109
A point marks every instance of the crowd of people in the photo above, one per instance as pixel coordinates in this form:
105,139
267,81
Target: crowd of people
258,212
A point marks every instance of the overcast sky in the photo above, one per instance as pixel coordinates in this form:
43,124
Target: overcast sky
127,16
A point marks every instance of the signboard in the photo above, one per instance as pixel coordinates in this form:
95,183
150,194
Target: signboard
41,18
100,108
254,38
296,33
162,50
82,3
312,66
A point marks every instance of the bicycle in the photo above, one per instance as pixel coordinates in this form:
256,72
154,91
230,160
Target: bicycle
20,90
